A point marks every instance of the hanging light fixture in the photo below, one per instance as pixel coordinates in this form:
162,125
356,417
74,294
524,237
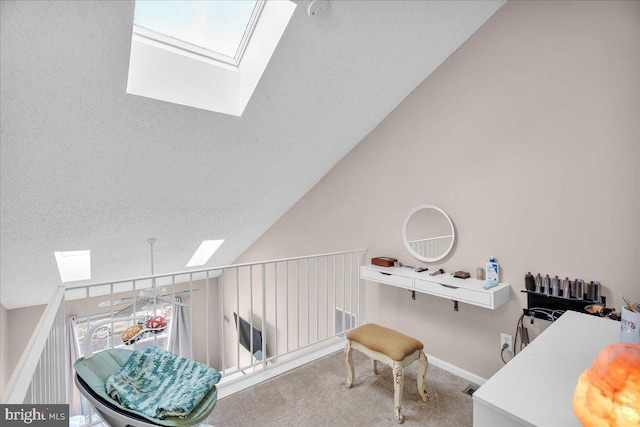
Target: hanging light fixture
151,241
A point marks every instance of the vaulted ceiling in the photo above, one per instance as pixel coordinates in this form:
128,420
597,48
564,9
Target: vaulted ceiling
84,165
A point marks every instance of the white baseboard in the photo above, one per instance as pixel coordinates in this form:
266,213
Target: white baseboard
462,373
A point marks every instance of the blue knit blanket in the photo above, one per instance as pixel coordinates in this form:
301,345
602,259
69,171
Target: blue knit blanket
160,384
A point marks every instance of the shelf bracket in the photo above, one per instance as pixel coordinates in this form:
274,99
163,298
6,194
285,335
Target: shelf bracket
455,305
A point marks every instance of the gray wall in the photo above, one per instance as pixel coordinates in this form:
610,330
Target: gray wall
527,137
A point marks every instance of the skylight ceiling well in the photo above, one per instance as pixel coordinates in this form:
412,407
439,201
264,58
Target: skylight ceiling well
205,251
74,265
204,54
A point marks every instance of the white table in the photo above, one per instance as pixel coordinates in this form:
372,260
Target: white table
536,387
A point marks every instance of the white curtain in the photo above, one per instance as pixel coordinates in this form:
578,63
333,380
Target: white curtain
78,405
180,336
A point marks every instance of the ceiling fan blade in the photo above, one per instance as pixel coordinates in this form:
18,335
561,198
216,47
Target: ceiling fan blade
184,292
110,303
125,312
172,302
177,293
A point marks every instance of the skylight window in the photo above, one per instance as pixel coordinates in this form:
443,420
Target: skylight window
204,54
204,252
74,265
219,29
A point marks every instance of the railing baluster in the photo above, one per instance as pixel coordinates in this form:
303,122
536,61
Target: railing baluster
238,314
88,316
317,310
173,306
351,291
308,331
344,302
62,351
358,290
135,304
275,305
135,300
335,297
251,313
222,334
287,303
55,340
298,302
110,336
46,368
191,312
207,317
326,296
264,315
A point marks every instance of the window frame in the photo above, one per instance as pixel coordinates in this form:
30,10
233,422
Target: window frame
182,45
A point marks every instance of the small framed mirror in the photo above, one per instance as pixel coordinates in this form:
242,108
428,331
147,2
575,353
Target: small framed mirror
428,233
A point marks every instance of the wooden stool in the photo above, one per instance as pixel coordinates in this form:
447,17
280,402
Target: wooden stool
392,348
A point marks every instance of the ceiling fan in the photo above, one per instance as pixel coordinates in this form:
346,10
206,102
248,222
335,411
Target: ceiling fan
144,301
147,297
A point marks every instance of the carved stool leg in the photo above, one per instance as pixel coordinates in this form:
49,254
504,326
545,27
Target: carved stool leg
374,366
422,371
398,383
349,361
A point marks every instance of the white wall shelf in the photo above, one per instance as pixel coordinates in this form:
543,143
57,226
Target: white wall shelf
444,285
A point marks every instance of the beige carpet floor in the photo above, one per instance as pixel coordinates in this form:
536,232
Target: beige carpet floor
314,395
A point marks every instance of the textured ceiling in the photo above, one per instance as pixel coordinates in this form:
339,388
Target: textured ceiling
86,166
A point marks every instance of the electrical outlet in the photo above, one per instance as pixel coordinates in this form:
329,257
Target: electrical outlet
506,339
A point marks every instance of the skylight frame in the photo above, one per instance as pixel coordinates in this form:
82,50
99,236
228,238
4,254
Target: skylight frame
197,50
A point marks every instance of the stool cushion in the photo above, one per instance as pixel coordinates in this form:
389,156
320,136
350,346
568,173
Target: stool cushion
384,340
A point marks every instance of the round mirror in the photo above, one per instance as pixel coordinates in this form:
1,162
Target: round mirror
428,233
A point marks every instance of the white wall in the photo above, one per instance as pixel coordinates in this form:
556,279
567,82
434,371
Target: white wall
527,137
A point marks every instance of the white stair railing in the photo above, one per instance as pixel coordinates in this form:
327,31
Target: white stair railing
40,376
295,301
289,304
